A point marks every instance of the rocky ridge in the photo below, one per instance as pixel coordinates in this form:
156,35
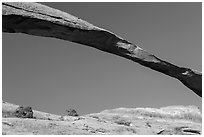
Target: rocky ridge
172,120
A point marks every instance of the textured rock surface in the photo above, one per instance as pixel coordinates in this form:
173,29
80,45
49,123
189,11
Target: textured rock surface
176,120
40,20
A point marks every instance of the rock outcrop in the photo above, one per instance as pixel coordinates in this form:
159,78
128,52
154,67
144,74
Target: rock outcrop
173,120
40,20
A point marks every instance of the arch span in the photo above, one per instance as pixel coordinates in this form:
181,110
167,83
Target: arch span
40,20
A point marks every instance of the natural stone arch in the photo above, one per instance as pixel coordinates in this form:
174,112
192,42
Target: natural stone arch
40,20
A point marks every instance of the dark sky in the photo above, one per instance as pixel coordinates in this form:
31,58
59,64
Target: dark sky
52,75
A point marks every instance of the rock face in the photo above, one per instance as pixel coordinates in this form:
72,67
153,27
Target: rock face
173,120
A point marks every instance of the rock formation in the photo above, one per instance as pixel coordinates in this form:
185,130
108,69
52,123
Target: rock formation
40,20
173,120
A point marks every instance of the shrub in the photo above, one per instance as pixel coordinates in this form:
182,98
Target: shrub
123,122
24,112
71,112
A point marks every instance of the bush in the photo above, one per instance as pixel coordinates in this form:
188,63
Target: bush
24,112
71,112
123,122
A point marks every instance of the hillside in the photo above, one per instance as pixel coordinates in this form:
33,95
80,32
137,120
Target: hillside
176,120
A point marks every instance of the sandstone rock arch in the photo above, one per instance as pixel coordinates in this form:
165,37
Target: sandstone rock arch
40,20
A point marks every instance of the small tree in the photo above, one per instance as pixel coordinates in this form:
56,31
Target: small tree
24,112
71,112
